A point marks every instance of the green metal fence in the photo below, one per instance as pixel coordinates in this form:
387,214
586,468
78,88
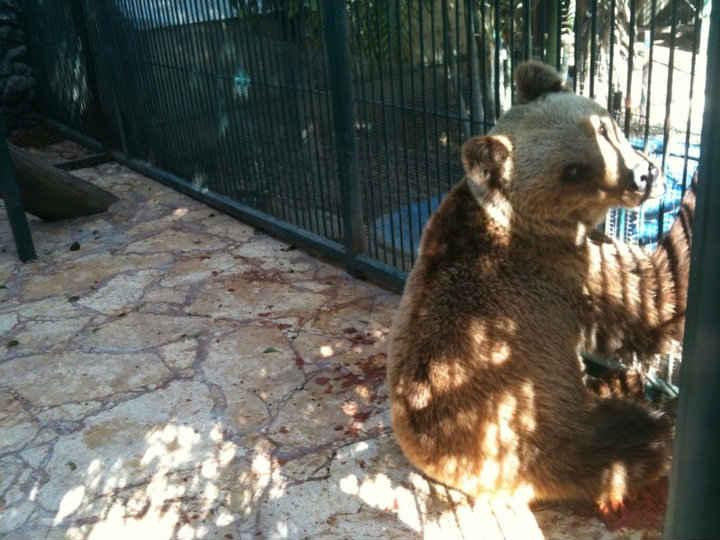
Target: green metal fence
338,124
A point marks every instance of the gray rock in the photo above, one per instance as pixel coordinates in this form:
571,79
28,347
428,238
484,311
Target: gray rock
19,68
11,36
15,54
16,88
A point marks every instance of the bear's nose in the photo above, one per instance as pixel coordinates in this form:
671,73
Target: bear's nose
644,175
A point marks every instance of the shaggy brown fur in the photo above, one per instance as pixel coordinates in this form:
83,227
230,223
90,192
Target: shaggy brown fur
511,286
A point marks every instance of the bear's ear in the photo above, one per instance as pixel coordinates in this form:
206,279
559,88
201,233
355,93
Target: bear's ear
485,161
535,79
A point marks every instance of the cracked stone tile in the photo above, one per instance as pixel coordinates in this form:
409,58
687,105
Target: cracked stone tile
314,465
227,227
82,275
166,295
44,335
181,354
134,442
176,241
312,417
50,309
333,320
7,268
14,516
255,368
7,322
120,293
314,347
79,376
371,493
274,255
202,267
138,331
35,456
10,469
241,299
67,415
16,435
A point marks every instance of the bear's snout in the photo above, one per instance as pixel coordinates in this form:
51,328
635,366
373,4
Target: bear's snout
645,178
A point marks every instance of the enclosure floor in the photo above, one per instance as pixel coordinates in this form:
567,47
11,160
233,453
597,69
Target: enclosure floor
177,374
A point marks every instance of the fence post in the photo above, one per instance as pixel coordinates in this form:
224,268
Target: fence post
335,26
10,192
695,479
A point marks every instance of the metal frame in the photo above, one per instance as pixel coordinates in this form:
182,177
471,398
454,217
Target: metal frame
695,479
10,192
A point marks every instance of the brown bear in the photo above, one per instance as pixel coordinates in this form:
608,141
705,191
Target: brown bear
511,285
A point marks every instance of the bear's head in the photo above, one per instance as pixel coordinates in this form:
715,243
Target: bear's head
558,156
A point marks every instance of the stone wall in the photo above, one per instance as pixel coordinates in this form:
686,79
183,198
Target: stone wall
17,83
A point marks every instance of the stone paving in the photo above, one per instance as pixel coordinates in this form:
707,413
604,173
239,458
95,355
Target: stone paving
167,372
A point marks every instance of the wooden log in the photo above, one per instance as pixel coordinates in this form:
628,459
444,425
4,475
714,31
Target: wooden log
53,194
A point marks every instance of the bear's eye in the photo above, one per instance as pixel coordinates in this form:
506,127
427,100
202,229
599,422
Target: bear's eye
573,172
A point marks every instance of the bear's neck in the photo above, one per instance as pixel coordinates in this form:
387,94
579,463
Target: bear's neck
508,227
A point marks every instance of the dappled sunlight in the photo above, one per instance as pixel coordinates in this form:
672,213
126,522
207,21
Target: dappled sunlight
435,512
492,338
186,483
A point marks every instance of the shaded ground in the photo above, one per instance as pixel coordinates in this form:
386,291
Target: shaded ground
180,375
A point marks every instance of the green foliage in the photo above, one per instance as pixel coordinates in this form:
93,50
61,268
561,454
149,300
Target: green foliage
380,30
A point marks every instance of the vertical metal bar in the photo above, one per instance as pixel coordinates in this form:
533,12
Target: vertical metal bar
558,33
460,98
266,121
668,105
258,118
285,117
245,173
10,192
436,107
207,100
340,77
322,184
694,493
446,72
379,28
374,147
511,56
631,67
593,45
421,33
364,79
496,31
653,4
403,128
413,98
696,36
326,120
612,54
483,67
170,85
527,48
393,106
150,106
576,49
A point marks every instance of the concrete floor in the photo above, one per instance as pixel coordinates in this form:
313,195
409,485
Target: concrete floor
181,375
